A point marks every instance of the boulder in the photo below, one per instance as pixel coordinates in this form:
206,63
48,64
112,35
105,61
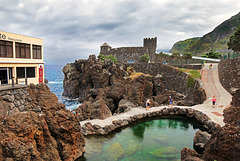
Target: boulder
100,110
200,139
190,155
124,106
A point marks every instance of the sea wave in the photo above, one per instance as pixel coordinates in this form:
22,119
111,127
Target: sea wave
73,106
55,82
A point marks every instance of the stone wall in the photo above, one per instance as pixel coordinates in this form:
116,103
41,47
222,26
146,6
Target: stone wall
189,66
229,73
124,54
128,53
13,101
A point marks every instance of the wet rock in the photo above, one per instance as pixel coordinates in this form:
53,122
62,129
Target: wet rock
115,152
131,148
165,152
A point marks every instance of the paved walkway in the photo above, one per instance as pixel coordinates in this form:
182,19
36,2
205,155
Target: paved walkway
4,87
213,88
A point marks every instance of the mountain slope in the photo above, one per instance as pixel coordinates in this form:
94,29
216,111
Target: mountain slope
214,41
181,46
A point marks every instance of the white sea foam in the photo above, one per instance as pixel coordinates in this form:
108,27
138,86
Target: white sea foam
55,82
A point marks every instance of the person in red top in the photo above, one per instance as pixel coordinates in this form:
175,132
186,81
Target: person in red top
213,101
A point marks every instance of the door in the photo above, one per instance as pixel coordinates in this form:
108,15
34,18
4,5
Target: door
3,76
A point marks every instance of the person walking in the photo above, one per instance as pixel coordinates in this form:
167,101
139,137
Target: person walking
147,104
210,66
213,101
170,101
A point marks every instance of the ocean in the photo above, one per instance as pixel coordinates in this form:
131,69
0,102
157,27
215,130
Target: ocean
55,76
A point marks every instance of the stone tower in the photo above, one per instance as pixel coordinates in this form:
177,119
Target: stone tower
105,48
151,45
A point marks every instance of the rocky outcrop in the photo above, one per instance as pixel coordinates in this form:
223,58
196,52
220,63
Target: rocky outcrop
224,144
26,137
101,85
229,73
232,114
174,81
49,133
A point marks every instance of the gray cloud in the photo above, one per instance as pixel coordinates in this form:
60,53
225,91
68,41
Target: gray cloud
74,29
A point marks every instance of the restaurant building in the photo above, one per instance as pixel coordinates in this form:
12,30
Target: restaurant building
21,59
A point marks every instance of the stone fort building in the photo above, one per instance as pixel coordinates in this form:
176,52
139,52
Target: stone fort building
132,54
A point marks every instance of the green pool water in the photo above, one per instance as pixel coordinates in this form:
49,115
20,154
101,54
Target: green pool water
149,140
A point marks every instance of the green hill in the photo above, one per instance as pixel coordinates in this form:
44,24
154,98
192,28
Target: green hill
181,46
216,40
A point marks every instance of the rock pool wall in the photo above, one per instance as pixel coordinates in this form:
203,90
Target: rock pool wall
89,129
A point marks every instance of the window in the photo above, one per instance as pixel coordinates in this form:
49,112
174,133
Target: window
26,72
22,50
131,61
37,52
30,72
6,49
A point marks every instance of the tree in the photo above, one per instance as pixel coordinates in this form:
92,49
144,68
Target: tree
101,56
187,55
234,42
144,58
212,54
176,55
111,57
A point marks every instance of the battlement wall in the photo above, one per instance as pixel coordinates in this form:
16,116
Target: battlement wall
124,54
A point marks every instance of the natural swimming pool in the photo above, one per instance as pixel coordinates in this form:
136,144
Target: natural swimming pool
160,138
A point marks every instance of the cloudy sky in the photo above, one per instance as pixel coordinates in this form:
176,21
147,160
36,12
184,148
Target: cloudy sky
74,29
